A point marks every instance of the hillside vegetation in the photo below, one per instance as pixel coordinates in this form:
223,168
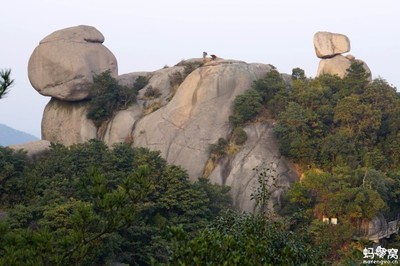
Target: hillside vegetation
344,136
89,204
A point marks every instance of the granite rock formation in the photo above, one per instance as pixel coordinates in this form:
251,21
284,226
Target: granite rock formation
64,62
329,44
330,47
190,113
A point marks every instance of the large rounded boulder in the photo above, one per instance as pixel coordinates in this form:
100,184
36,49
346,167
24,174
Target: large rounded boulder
328,44
64,63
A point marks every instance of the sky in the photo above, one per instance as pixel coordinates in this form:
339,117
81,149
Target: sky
146,35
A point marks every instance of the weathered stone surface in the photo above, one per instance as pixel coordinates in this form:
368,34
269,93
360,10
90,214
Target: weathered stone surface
376,228
80,33
190,116
33,149
198,114
120,128
63,64
164,81
237,171
329,44
338,65
66,123
129,79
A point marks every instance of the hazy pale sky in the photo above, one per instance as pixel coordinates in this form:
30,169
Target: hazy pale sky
148,34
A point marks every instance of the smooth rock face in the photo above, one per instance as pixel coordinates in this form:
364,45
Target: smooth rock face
198,114
63,64
33,149
329,44
76,34
338,65
66,123
120,128
260,151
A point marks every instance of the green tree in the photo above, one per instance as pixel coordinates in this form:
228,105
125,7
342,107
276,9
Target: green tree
298,73
5,82
12,167
246,106
273,90
266,183
297,129
358,119
356,80
268,86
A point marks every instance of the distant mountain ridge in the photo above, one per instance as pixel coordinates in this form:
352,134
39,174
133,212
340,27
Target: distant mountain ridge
10,136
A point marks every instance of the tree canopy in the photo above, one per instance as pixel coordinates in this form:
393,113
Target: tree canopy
91,205
343,134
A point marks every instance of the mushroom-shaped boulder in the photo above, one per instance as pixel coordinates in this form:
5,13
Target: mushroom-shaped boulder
64,62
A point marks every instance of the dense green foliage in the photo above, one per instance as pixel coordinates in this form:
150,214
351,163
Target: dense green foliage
344,136
5,82
245,107
108,96
219,147
240,239
91,205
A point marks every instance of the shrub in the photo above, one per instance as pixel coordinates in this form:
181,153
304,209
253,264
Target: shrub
152,92
107,97
219,147
176,79
140,83
191,66
270,85
298,73
239,136
246,106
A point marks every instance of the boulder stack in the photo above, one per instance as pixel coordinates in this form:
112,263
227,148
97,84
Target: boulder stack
191,111
64,62
330,47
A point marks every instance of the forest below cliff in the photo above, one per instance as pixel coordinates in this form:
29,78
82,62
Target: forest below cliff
89,204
